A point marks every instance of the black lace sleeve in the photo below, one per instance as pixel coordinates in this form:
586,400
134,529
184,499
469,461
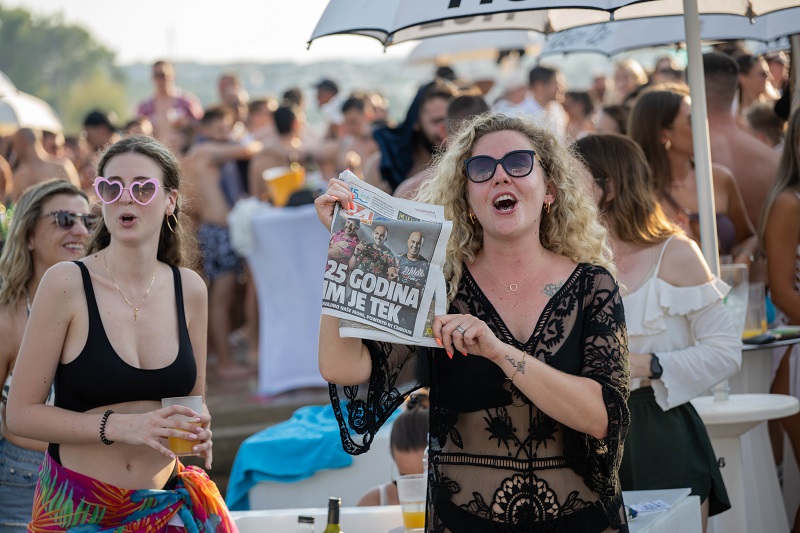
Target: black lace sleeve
361,410
605,360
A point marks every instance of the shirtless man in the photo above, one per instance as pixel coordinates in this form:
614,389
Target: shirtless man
357,144
287,149
751,162
414,141
211,167
169,107
36,165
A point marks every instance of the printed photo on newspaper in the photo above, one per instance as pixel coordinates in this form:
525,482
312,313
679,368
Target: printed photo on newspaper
384,277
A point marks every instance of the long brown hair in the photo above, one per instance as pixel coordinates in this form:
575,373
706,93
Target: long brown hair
178,247
16,262
655,110
633,214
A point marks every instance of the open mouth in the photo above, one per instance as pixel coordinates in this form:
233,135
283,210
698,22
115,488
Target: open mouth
127,218
505,202
74,247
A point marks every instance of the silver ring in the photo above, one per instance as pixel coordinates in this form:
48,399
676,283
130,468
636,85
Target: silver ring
460,329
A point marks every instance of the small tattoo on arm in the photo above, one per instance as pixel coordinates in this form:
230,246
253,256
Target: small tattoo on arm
551,288
519,365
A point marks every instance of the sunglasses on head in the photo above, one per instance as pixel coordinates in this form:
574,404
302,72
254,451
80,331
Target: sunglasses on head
66,219
142,192
516,164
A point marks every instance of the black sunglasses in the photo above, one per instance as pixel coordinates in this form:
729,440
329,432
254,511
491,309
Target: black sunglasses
66,219
516,164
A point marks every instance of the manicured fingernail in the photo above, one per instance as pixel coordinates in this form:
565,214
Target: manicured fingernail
192,436
197,419
196,448
464,353
439,342
172,456
449,355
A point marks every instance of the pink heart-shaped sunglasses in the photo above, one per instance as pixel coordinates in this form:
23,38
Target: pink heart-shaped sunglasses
142,192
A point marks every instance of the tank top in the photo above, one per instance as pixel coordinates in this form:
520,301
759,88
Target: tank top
99,376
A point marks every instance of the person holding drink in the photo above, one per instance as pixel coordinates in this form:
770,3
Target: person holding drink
117,332
528,390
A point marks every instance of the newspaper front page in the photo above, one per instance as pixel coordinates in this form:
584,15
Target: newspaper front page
384,277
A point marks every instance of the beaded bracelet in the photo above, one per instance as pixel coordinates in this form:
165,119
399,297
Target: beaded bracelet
103,422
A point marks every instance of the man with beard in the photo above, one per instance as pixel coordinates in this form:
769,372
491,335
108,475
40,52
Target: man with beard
376,258
343,243
413,267
406,149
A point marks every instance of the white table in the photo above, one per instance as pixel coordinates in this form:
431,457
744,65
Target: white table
290,248
683,516
756,372
738,432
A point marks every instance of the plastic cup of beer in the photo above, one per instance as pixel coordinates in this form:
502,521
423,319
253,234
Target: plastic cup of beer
755,322
411,491
281,182
182,447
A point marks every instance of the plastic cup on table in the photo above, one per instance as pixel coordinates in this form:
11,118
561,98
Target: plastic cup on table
281,182
183,447
412,491
755,322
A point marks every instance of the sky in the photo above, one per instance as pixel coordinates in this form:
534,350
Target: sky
210,31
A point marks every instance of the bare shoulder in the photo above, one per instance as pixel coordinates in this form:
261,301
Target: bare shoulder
721,173
786,208
683,264
371,498
193,284
61,280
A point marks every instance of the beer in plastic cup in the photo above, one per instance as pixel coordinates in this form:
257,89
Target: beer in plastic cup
181,447
281,182
411,491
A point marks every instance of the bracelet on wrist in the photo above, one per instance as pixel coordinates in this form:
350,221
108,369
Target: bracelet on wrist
103,423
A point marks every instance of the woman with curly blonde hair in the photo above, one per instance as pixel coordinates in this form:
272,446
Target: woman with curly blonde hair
528,390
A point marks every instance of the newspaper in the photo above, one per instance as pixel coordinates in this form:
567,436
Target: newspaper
384,277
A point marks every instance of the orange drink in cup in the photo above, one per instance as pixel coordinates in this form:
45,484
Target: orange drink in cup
281,182
412,491
178,446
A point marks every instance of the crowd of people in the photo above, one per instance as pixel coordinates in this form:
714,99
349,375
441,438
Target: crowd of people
573,212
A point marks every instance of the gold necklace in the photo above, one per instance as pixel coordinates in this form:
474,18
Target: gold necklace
514,286
135,308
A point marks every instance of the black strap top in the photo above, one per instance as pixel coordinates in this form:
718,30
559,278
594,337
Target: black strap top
99,376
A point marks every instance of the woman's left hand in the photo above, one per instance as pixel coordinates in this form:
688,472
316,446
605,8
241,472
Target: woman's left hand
204,447
476,337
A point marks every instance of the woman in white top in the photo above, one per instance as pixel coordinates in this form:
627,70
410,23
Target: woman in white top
681,339
779,232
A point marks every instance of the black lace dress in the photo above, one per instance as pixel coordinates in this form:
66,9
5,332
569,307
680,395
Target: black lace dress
497,463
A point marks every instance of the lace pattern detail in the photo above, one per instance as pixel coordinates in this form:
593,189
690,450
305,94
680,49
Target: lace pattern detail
495,463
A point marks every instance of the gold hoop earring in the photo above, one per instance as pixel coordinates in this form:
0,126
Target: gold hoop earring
170,225
667,145
547,208
472,218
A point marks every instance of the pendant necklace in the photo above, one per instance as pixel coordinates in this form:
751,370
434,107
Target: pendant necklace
134,307
514,286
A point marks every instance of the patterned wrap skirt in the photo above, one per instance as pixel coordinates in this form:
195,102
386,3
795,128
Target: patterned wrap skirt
67,501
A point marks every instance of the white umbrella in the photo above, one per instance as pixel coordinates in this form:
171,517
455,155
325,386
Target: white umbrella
394,21
471,46
611,38
22,110
6,85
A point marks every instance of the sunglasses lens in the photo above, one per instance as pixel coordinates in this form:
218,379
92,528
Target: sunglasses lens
65,220
90,220
143,192
480,168
518,164
108,191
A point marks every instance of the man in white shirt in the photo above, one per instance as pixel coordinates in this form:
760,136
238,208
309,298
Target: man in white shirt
542,103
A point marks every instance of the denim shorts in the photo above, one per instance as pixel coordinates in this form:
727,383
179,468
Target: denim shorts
19,472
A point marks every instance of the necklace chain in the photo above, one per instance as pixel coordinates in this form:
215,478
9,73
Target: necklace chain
514,286
134,307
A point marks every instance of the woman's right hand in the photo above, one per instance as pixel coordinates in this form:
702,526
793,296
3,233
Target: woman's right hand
325,203
153,428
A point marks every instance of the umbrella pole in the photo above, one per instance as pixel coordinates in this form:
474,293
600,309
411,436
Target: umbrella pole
702,149
702,153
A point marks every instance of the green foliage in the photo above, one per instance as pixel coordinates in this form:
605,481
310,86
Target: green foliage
46,57
96,91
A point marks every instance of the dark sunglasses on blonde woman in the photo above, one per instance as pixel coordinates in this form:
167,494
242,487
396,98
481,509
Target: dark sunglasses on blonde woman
516,164
142,192
67,219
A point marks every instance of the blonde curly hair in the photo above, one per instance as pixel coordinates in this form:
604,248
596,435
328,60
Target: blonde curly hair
571,229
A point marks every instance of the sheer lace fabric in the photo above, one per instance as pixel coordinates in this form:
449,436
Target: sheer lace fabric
496,462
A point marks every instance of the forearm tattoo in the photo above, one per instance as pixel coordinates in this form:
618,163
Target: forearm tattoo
519,365
551,288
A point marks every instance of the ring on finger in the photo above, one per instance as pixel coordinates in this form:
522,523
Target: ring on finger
460,329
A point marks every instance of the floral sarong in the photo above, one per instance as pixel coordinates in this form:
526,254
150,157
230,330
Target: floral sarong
68,501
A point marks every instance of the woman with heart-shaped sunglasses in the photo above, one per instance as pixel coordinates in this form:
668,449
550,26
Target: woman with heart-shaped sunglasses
117,332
